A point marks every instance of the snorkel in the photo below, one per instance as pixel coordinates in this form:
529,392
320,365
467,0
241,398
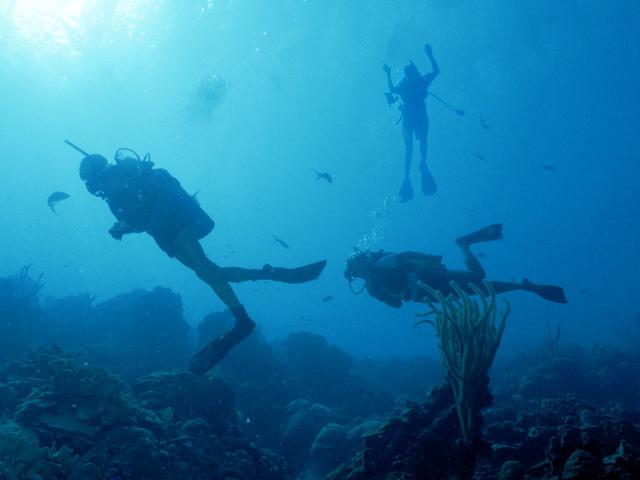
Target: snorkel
76,148
120,155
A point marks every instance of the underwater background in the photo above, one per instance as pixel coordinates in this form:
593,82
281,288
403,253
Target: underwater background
242,100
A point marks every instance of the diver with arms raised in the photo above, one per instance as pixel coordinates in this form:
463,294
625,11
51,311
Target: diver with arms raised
413,90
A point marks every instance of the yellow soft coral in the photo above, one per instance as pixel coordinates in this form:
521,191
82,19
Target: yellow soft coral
469,338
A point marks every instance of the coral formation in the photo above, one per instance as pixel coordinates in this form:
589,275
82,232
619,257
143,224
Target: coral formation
292,408
469,339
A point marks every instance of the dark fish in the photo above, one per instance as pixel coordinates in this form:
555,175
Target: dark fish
280,241
324,176
481,255
480,156
326,299
55,198
549,168
484,125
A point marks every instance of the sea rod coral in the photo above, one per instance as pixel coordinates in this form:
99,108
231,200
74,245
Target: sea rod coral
470,334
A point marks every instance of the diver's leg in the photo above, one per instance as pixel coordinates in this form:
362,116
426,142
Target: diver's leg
407,134
464,278
190,253
552,293
471,261
486,234
503,287
239,274
406,190
440,280
423,152
426,179
423,143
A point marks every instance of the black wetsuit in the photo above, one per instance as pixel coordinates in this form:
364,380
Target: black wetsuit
413,92
151,200
399,283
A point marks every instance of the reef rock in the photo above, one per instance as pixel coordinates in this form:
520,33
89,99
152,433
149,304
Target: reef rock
178,395
330,447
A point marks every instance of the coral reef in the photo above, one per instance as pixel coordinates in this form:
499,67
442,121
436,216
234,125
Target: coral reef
294,408
421,442
69,419
19,312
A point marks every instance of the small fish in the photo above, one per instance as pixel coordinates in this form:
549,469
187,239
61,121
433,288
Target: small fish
549,168
55,198
324,176
326,299
484,125
481,255
480,156
281,242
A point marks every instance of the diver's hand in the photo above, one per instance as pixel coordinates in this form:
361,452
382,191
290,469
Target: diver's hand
386,68
428,50
118,230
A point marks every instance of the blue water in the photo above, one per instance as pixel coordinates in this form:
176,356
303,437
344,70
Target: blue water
300,88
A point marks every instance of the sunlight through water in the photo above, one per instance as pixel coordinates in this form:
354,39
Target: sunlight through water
49,24
71,28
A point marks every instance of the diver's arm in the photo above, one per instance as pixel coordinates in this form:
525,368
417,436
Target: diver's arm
388,299
392,88
434,65
120,228
378,292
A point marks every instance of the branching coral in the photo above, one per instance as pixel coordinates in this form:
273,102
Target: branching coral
19,310
470,333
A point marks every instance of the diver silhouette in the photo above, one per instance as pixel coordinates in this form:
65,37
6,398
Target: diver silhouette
413,90
147,199
393,278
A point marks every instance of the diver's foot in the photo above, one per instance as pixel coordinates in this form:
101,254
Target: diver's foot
548,292
486,234
216,350
406,191
427,181
302,274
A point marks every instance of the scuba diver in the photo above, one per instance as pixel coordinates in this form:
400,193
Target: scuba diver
413,90
393,278
147,199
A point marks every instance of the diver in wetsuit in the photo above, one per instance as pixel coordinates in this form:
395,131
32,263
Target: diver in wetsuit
147,199
393,278
413,89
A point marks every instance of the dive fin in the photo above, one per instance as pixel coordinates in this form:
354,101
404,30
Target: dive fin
426,179
216,350
302,274
548,292
406,191
486,234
